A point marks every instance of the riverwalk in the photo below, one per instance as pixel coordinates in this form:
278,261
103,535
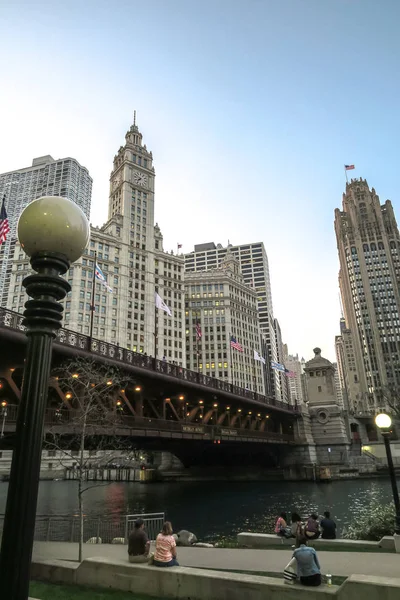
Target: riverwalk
336,563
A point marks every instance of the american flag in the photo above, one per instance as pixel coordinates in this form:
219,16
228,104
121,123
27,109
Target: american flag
289,373
199,333
349,167
4,226
235,344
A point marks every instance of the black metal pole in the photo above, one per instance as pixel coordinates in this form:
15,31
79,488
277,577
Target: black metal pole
42,318
392,474
155,334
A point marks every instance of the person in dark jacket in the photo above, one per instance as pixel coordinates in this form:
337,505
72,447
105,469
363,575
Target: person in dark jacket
138,544
328,527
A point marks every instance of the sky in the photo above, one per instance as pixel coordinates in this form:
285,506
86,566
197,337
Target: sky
250,107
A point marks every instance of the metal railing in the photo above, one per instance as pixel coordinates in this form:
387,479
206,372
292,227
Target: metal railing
65,528
12,320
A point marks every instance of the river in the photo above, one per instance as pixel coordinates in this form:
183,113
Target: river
213,509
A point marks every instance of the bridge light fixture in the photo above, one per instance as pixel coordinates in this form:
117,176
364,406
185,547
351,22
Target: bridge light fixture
167,399
93,385
122,391
258,414
12,369
138,388
239,410
201,401
200,416
3,404
1,385
181,397
228,408
119,403
215,405
68,395
75,375
109,382
188,414
250,412
267,416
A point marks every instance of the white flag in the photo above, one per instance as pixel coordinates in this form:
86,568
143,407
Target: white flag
259,357
161,304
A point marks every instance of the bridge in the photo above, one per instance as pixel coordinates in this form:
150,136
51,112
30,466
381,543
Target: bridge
198,418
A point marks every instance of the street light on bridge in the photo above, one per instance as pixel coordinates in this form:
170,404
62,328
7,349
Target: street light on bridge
53,232
384,422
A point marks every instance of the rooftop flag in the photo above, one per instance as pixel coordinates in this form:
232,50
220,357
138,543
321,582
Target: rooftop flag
349,167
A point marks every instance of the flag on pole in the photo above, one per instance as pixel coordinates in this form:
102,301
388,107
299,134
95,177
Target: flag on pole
349,167
289,373
235,344
278,366
4,225
179,246
258,356
98,273
161,304
199,333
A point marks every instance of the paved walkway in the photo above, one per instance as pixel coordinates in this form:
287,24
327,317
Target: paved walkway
336,563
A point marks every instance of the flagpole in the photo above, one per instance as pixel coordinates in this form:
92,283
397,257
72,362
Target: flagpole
230,347
197,346
92,303
255,376
155,332
345,172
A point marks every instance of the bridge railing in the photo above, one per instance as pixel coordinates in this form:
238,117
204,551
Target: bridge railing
65,528
12,320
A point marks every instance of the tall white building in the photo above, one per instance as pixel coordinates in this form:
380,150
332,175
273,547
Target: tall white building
295,383
46,177
253,262
219,302
129,250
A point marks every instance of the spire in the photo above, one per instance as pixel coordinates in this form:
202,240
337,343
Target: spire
134,118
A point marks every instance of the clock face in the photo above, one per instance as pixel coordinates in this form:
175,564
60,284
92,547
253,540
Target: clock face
139,178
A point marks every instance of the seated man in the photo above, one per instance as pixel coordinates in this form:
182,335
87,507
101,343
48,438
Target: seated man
138,544
328,527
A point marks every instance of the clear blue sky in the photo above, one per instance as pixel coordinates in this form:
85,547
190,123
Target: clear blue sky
251,108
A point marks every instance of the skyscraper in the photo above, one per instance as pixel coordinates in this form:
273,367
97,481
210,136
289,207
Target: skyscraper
128,248
369,253
46,177
253,262
218,306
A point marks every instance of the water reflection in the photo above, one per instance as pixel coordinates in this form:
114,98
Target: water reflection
213,509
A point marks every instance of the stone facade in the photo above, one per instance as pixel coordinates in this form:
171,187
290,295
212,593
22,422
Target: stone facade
129,251
222,305
328,422
368,243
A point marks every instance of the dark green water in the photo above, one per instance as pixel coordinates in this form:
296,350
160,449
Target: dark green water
214,509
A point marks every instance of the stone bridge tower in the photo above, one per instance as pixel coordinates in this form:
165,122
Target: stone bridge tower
328,423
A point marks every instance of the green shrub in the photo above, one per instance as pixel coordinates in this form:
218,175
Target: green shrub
373,522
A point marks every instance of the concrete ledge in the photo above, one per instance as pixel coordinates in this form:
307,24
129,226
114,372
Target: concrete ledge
56,571
387,543
266,540
366,587
196,584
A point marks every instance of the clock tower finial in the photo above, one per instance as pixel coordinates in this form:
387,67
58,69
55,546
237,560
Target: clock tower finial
134,118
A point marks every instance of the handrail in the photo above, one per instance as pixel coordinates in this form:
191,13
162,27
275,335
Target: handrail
13,320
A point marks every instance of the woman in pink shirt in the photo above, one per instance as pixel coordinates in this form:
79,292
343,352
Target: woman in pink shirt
165,554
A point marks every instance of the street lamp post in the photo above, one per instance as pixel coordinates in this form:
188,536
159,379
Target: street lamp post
383,422
53,232
3,414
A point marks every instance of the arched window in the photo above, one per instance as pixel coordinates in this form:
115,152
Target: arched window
366,248
373,247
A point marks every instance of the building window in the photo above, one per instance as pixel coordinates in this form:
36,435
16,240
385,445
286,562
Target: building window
319,388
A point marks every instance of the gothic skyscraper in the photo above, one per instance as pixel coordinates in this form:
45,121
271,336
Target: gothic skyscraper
369,252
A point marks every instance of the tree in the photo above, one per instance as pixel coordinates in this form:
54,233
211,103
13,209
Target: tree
373,522
389,398
88,414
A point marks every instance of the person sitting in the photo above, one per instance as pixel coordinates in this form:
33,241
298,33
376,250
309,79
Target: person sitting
328,527
165,554
138,544
311,529
296,526
281,526
308,567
